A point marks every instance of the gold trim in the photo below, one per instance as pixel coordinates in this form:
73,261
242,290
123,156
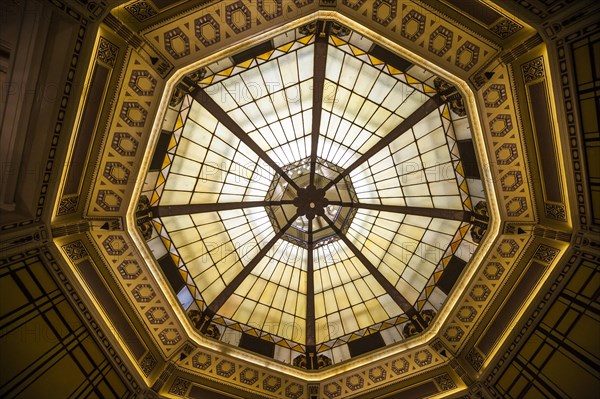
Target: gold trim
444,314
94,304
526,305
552,137
77,124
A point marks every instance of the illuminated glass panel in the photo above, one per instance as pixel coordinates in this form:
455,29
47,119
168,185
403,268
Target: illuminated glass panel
414,170
273,297
347,296
270,99
361,104
215,246
210,164
404,248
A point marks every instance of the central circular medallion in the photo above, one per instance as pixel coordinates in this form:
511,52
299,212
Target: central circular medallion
311,202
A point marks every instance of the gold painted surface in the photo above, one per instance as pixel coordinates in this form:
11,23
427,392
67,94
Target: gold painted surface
507,153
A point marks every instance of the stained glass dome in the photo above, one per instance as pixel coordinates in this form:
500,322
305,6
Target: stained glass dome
315,194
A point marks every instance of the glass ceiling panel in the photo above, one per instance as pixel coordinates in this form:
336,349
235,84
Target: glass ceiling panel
405,248
362,102
215,246
414,170
272,99
273,297
209,166
347,296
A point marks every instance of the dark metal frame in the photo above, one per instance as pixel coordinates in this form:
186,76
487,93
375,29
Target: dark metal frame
320,57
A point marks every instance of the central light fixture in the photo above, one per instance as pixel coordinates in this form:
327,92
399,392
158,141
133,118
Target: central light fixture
315,201
311,202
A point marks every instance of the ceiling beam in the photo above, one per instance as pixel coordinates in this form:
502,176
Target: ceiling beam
311,335
190,209
429,106
200,95
449,214
216,304
320,60
384,282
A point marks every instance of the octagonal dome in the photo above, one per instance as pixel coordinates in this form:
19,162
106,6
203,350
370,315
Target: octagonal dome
313,195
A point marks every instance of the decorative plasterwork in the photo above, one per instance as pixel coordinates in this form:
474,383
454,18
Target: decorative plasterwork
220,25
67,90
137,285
131,119
539,95
356,382
509,163
424,33
479,148
107,52
567,97
144,294
125,143
141,10
492,273
223,369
